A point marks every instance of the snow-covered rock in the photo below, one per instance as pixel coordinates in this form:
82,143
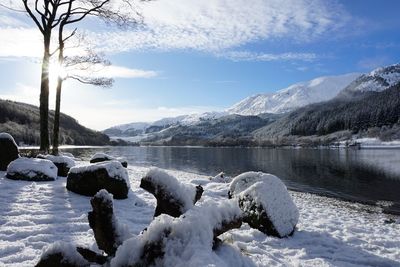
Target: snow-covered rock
221,178
173,197
89,179
8,150
30,169
268,207
63,163
294,96
62,254
245,180
100,157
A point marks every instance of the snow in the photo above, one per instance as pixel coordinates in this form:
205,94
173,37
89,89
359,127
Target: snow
31,167
377,143
190,240
221,178
294,96
9,137
113,168
107,157
59,159
377,80
245,180
180,191
68,250
330,232
273,196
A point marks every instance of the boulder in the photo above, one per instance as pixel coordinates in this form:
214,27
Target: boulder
8,150
31,169
89,179
268,207
62,254
245,180
63,163
101,157
173,197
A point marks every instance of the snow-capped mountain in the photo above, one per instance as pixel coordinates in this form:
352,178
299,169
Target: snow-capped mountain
294,96
377,80
138,128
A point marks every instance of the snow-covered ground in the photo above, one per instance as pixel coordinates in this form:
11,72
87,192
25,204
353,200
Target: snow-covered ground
377,143
330,232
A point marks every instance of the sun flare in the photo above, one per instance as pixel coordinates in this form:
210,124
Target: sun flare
55,71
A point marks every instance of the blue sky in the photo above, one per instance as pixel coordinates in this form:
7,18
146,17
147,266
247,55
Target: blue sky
196,56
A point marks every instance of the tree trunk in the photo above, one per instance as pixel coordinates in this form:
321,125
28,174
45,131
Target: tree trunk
44,96
56,127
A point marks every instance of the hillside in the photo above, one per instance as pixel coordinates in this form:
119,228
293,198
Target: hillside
230,130
376,112
22,122
295,96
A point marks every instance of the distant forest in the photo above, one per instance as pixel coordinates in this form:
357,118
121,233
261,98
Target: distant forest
22,122
368,110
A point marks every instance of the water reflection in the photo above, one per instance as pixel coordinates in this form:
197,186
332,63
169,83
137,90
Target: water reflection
358,175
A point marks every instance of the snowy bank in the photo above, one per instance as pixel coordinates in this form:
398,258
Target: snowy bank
329,232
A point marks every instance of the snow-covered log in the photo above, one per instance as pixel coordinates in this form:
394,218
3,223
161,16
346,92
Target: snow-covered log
63,163
182,241
89,179
173,197
268,206
107,232
101,157
8,150
30,169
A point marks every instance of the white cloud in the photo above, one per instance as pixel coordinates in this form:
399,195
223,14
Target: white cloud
252,56
223,24
119,72
213,26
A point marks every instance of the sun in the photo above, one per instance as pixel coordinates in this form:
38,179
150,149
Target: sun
55,71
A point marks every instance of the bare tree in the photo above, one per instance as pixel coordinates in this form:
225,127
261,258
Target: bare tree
83,69
50,14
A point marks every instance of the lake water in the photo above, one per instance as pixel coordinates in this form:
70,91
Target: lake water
369,175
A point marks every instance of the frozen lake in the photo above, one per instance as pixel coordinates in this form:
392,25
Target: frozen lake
369,175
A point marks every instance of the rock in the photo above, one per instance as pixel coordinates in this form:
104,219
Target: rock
268,207
62,254
221,178
101,157
245,180
89,179
63,163
31,169
8,150
173,197
92,256
104,223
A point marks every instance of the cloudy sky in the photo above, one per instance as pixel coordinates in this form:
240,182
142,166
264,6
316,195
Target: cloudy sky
201,55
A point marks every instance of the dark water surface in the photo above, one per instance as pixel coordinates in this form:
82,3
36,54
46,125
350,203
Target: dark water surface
367,176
